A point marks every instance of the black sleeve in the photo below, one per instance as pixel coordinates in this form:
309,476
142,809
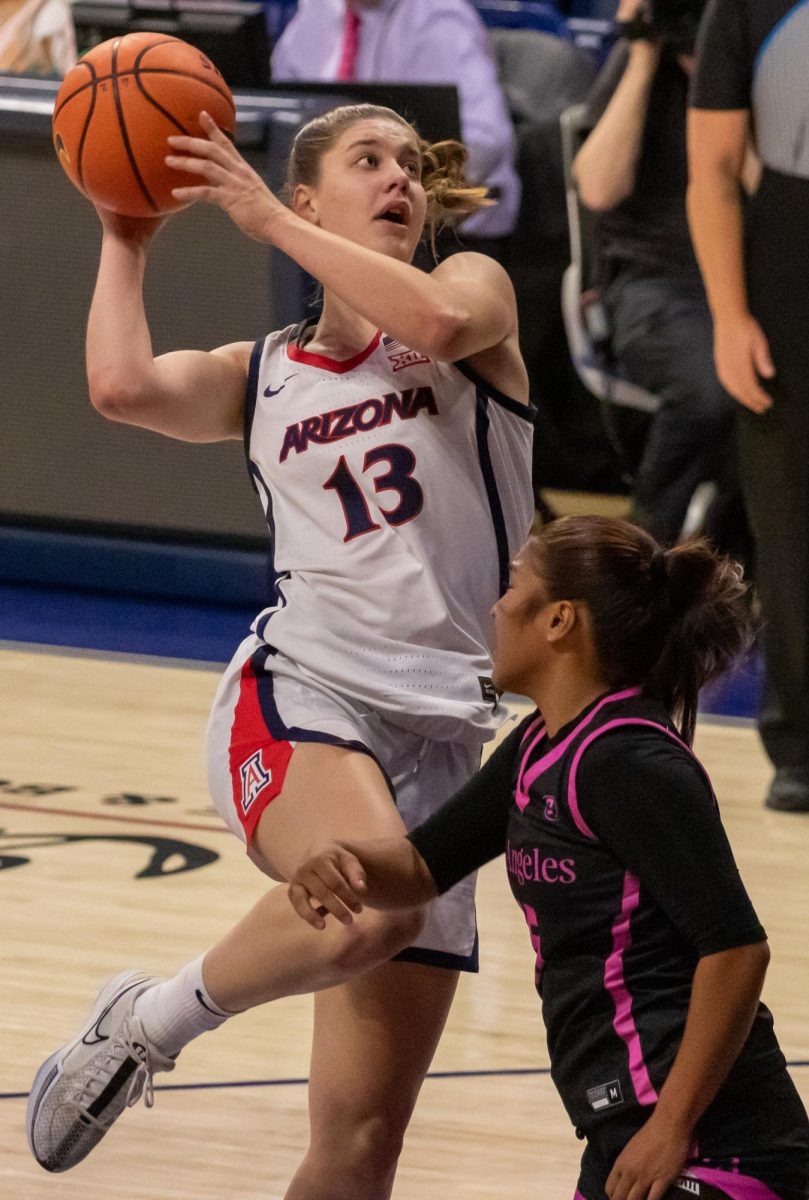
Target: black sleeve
470,829
723,74
648,802
606,82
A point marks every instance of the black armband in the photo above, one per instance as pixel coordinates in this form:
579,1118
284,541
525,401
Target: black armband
640,28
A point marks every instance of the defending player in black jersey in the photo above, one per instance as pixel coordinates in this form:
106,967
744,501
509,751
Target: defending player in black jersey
649,956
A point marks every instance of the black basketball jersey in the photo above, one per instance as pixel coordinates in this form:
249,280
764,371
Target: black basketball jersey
617,857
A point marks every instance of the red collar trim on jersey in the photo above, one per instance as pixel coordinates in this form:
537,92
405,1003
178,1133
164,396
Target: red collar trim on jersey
337,366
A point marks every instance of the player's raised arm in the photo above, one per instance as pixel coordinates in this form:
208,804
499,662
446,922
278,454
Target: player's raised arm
191,395
461,309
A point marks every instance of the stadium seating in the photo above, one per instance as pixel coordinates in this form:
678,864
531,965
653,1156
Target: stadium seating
587,22
516,14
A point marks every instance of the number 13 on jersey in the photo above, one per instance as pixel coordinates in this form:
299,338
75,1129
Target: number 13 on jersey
398,479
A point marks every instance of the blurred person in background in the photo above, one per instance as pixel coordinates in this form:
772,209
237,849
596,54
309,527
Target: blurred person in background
36,37
419,42
751,81
632,171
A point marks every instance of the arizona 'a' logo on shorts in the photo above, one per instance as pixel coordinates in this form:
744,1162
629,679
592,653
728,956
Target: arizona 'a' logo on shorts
254,780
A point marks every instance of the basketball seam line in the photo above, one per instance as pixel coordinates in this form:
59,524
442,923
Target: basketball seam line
177,124
143,71
124,134
85,130
223,92
136,70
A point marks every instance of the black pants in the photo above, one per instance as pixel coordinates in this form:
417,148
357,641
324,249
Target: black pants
774,457
662,337
757,1136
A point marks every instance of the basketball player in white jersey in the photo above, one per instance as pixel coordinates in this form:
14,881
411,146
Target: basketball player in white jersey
390,446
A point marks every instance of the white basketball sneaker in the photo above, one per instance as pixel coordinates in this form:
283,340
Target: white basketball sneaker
81,1089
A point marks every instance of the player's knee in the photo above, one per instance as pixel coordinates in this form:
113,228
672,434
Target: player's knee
377,937
374,1145
361,1150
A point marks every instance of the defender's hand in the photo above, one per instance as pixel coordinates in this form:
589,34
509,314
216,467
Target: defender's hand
330,881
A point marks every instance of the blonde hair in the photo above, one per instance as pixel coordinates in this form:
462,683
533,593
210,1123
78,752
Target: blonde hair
450,196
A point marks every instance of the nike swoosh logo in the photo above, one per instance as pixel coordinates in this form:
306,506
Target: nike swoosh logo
270,392
207,1007
88,1039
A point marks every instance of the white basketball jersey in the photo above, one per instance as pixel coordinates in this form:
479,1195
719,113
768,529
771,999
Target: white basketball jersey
396,491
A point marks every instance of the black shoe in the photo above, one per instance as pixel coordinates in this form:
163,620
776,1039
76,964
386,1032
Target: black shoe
789,790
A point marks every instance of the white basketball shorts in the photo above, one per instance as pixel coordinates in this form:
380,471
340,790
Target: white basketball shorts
265,707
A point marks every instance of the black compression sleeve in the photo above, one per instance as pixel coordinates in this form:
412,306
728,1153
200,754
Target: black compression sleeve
649,803
470,829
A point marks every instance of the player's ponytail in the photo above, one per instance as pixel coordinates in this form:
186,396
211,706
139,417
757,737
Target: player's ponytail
706,606
669,620
450,195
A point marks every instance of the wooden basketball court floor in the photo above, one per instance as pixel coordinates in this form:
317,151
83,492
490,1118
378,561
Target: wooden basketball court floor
111,856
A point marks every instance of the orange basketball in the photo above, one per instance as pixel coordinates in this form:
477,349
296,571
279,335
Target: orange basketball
119,104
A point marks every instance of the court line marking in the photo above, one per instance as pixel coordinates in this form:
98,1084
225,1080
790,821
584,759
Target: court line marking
122,656
198,664
94,816
709,718
495,1073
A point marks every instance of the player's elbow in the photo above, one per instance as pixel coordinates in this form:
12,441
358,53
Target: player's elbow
600,190
445,331
602,195
113,397
600,200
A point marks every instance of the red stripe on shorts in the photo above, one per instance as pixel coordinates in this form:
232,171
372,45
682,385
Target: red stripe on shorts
258,762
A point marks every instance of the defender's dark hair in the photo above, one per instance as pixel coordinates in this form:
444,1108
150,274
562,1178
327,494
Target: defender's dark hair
670,620
449,194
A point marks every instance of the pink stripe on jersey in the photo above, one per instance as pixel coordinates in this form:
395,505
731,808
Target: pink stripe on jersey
736,1186
615,983
533,930
572,795
528,776
579,1196
521,796
535,725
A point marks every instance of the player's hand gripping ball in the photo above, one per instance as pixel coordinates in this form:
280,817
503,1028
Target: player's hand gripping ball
115,110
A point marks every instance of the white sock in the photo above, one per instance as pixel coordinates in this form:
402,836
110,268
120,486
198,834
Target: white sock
175,1012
